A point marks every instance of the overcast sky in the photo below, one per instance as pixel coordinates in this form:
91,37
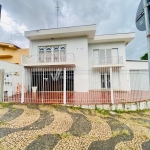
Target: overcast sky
110,16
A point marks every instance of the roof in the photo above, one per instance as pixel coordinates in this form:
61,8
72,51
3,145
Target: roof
9,45
75,31
119,37
138,60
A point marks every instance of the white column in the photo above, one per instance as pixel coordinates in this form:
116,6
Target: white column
52,54
43,87
105,77
59,53
22,87
111,86
44,54
64,94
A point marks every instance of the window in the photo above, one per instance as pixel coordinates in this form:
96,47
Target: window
109,56
96,56
48,48
48,54
52,53
41,54
41,48
105,80
62,53
63,47
56,48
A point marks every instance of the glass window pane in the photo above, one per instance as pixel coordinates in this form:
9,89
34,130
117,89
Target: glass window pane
41,48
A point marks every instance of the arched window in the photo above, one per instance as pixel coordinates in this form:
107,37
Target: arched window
48,48
41,48
63,47
56,48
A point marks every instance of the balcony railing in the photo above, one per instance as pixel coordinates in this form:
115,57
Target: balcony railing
107,61
49,58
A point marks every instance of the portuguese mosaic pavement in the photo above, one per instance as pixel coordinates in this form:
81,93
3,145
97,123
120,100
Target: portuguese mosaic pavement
47,127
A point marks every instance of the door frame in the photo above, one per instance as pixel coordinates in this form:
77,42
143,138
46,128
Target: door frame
105,80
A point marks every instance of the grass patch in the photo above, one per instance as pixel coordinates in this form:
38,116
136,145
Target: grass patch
74,108
3,123
14,109
144,124
125,132
120,132
147,136
48,108
140,135
1,140
32,106
87,111
5,105
55,134
119,111
131,112
115,122
65,135
102,111
38,136
42,106
116,133
57,106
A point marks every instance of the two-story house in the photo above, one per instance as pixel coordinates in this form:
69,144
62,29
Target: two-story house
75,59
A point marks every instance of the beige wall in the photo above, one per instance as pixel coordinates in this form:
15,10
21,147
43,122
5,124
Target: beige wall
16,54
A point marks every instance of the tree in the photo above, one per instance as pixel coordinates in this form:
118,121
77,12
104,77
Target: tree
145,57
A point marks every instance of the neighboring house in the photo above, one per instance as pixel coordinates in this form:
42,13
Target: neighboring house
12,53
12,76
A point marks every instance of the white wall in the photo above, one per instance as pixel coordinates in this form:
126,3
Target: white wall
78,46
11,79
139,64
10,67
95,78
133,79
139,80
83,52
119,45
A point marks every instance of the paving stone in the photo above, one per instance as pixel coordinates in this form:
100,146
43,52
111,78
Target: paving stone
45,142
58,127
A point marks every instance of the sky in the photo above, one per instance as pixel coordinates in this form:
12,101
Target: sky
110,16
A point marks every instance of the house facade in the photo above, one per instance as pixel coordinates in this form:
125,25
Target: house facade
73,65
78,48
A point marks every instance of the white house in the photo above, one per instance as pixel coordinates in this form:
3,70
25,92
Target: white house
75,59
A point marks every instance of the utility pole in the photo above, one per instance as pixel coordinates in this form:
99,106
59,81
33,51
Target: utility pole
146,5
0,11
143,24
57,7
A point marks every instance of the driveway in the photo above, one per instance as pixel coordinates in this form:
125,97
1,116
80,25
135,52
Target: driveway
47,127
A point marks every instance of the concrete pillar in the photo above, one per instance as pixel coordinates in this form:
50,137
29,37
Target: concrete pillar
22,88
64,91
1,84
111,80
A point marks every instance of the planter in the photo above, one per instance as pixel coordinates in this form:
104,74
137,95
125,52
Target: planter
34,89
